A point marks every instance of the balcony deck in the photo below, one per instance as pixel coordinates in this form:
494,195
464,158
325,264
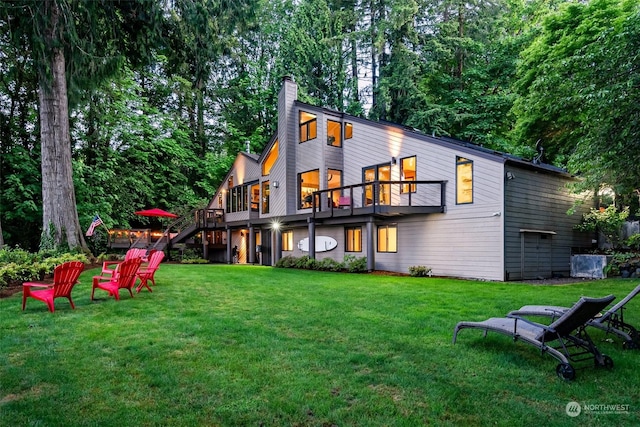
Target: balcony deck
381,198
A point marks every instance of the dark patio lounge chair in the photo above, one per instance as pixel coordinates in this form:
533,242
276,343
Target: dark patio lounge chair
567,332
611,321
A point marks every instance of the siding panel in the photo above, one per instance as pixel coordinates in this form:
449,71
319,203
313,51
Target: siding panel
539,201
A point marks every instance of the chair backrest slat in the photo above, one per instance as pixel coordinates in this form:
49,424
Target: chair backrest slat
134,253
578,315
127,272
155,260
65,277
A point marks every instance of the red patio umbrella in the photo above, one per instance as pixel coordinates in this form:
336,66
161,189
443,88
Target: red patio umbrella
156,212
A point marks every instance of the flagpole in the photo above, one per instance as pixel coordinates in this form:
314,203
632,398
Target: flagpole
103,224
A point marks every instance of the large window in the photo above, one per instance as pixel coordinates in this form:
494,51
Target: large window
265,197
388,238
334,180
255,197
353,239
334,133
308,126
287,240
308,183
271,158
464,180
408,173
238,199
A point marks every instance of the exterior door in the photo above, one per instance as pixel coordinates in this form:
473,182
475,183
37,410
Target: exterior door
382,194
265,247
536,256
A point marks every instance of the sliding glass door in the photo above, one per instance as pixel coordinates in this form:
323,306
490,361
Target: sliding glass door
382,194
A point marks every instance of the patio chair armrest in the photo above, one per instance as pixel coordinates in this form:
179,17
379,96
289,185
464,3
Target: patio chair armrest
554,313
37,285
106,264
100,279
530,322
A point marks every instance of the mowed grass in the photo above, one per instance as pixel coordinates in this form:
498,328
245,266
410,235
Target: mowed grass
235,345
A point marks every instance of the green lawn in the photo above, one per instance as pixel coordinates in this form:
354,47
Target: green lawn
259,346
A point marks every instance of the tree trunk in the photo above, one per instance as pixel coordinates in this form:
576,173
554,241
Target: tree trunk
60,224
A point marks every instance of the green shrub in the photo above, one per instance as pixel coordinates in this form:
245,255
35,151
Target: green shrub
17,265
307,263
354,264
351,263
17,255
19,272
329,264
634,241
190,254
607,221
194,261
622,261
419,271
109,257
288,261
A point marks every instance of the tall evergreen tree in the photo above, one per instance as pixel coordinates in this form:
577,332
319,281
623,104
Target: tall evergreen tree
578,84
57,50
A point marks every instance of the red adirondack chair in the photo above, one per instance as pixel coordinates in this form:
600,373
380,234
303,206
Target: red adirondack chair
108,268
146,272
65,277
125,279
147,256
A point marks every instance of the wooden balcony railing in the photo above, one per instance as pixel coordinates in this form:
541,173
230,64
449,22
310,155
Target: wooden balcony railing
381,197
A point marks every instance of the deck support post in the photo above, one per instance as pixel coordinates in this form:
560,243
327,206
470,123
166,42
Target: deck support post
252,244
371,257
312,238
229,255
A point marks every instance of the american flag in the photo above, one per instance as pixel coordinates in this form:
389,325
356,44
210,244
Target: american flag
96,222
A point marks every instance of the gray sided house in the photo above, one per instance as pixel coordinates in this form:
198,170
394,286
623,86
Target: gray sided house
329,185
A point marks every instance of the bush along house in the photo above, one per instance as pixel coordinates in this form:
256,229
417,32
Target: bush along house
329,184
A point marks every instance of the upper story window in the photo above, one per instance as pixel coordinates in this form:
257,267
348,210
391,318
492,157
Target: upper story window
265,197
255,197
230,182
408,173
237,201
334,180
464,180
271,158
334,133
348,131
308,183
308,126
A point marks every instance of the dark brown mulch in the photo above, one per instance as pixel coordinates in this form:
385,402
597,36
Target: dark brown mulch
12,288
387,273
